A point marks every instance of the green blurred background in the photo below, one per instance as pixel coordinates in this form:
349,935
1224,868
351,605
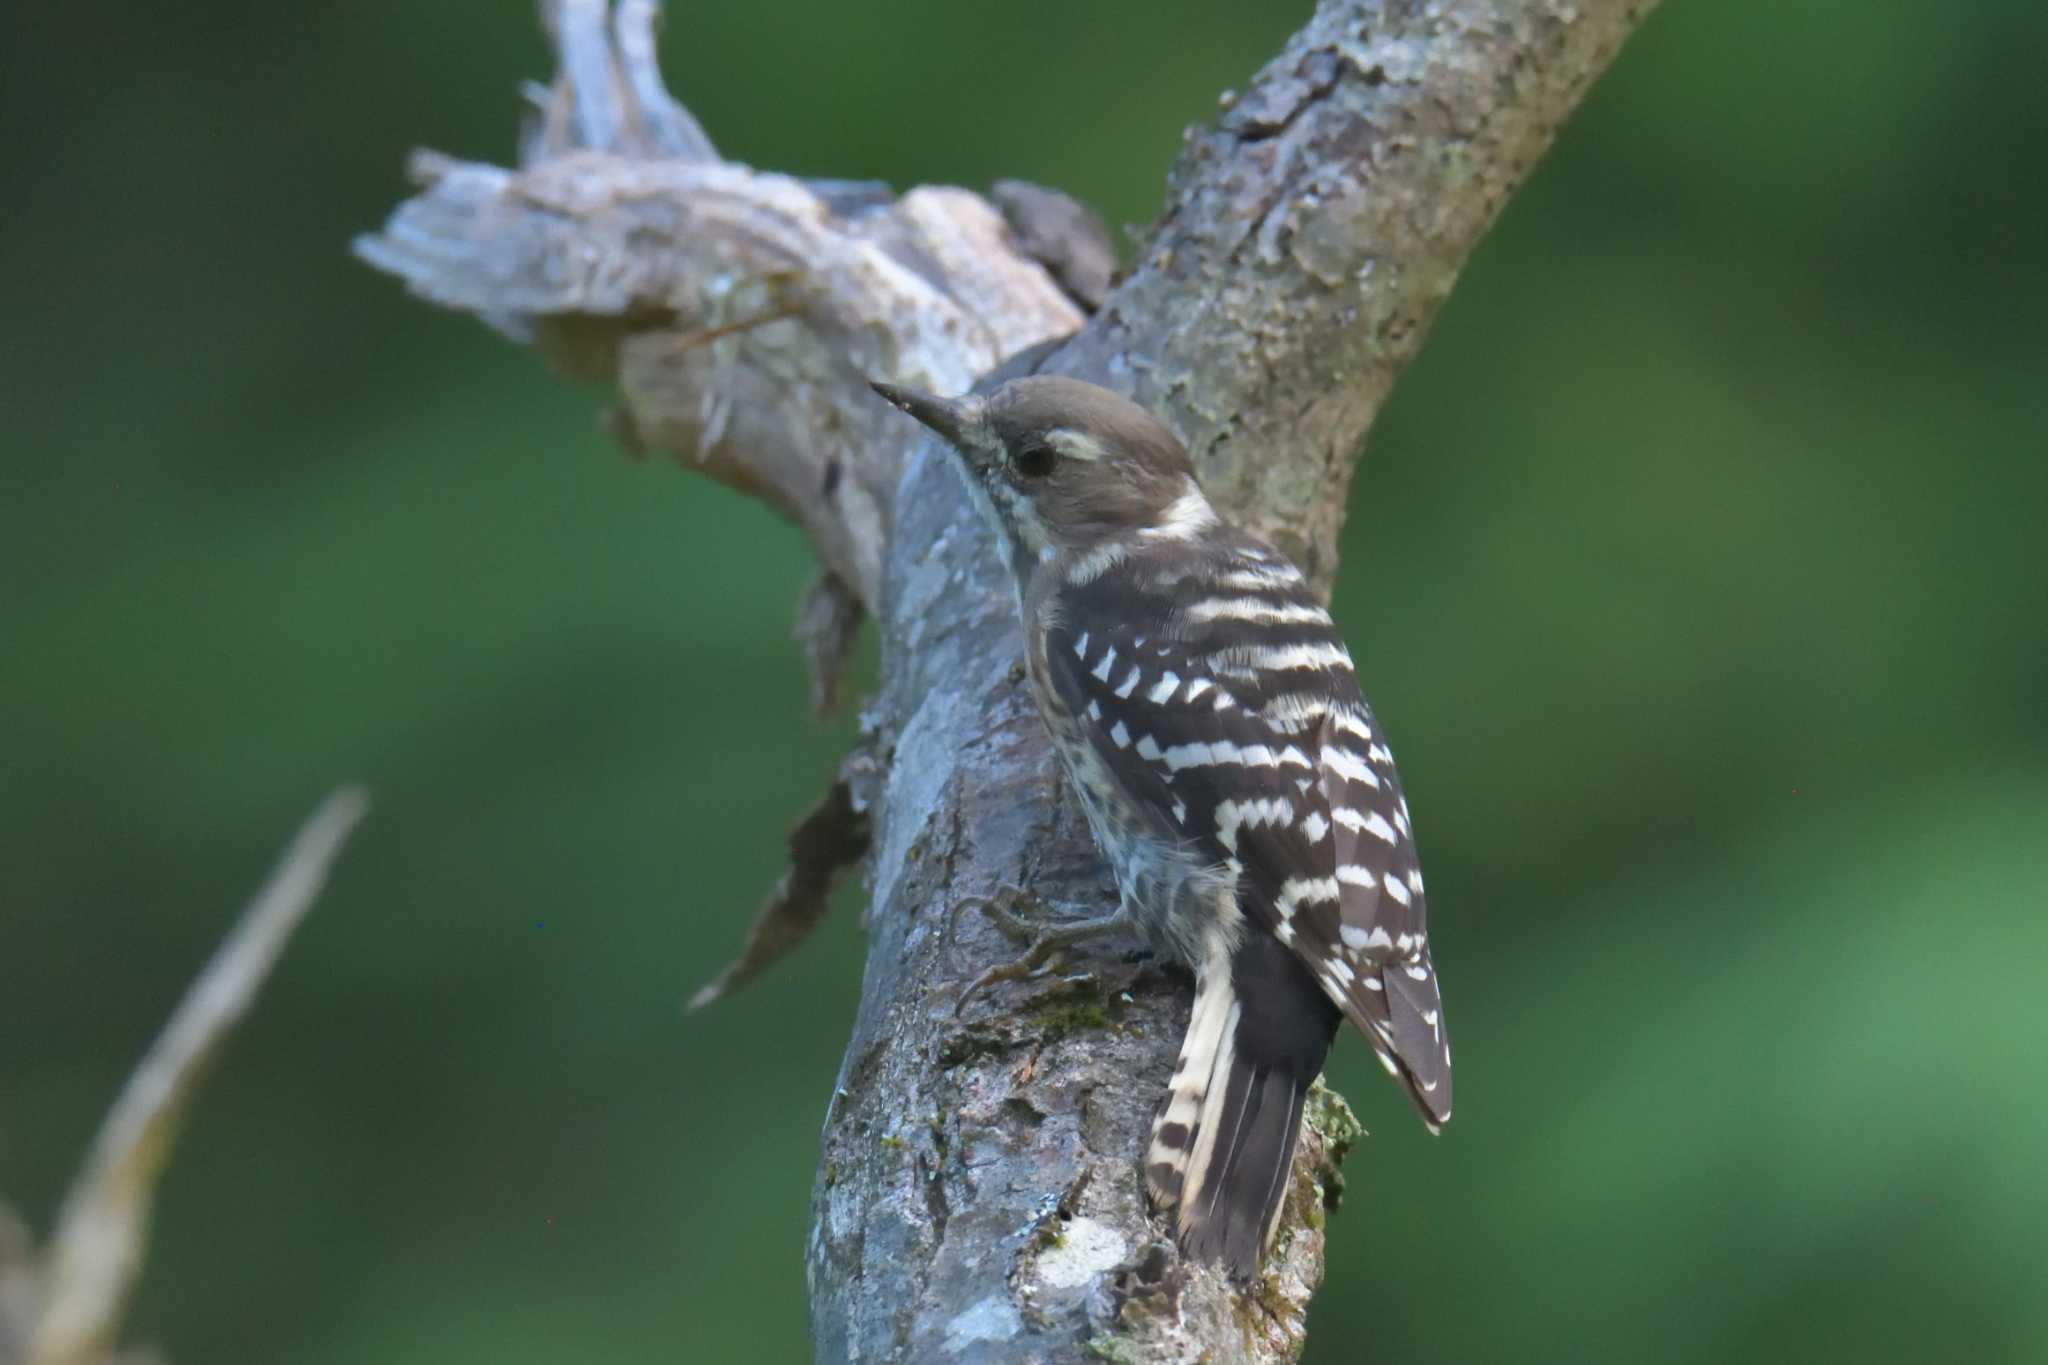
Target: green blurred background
1698,571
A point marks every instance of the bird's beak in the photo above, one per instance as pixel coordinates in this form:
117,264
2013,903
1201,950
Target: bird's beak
952,418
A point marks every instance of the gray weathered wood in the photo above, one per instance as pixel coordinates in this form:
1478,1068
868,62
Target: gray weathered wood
979,1197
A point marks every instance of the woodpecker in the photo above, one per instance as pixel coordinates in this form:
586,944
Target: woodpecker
1206,710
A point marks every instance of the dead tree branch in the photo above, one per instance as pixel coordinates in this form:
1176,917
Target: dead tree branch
83,1282
979,1195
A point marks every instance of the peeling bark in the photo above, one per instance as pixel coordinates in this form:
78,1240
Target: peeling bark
979,1195
827,626
832,838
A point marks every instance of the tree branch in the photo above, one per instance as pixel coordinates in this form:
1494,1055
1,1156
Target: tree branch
99,1242
979,1196
1310,237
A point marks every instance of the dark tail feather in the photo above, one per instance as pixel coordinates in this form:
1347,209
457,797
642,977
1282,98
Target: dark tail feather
1234,1197
1225,1141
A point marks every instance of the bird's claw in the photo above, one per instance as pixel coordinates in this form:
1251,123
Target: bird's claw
1046,945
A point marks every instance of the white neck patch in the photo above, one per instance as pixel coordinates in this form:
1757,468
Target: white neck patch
1186,517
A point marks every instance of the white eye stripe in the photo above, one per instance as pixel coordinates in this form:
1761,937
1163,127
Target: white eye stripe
1075,445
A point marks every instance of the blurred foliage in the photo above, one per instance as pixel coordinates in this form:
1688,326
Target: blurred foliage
1698,571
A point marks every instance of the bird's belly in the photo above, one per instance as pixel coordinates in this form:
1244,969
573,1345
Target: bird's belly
1167,891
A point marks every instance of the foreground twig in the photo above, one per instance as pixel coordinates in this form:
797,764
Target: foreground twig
99,1241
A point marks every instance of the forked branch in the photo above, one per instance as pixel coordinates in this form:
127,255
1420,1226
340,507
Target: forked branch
979,1194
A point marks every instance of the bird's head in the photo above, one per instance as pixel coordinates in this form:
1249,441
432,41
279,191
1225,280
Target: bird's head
1062,467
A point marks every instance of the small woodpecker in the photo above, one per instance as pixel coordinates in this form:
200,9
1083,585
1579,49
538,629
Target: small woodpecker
1206,710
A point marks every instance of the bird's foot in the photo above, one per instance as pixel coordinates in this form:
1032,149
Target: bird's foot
1046,944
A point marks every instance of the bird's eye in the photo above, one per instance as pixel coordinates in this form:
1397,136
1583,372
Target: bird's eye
1035,462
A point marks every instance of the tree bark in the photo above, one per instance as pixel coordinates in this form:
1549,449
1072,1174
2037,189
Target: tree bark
979,1196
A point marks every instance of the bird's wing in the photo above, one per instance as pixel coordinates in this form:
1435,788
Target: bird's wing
1372,945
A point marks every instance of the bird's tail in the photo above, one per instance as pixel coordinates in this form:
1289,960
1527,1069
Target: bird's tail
1223,1142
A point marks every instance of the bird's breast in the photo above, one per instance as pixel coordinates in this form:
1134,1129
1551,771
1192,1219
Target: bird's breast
1171,895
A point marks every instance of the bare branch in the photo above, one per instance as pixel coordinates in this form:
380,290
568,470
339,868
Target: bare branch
99,1242
657,274
20,1287
1311,235
670,129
